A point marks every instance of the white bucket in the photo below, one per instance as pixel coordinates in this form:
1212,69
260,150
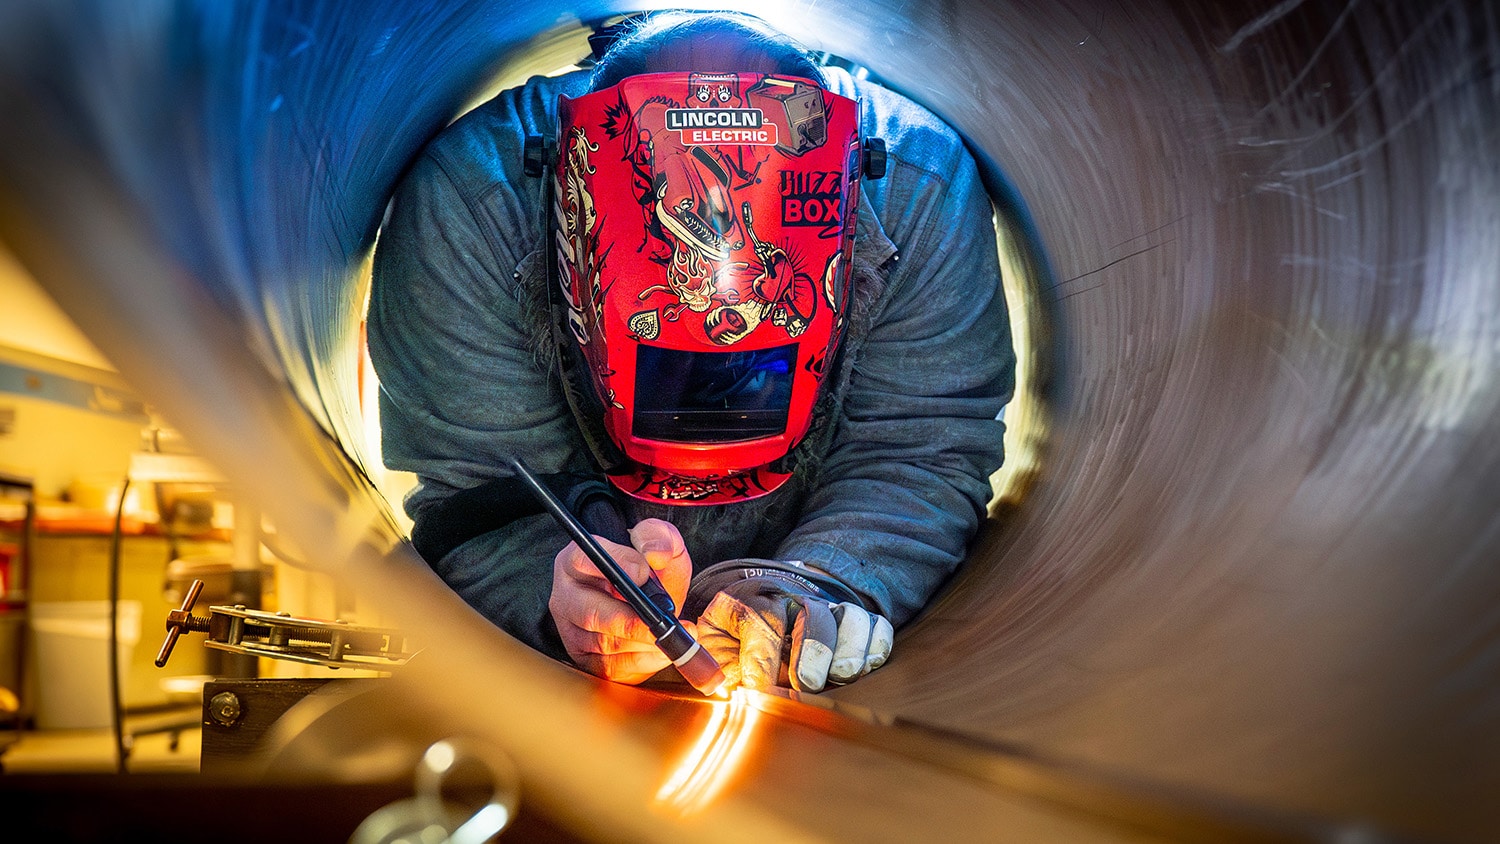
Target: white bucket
72,659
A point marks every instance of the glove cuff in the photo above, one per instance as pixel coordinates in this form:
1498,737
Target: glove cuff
790,577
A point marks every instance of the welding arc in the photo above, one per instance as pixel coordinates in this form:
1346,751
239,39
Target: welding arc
691,660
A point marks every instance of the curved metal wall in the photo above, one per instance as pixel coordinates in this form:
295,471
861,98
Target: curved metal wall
1258,570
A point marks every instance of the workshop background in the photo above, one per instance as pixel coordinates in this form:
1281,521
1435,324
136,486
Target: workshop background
75,438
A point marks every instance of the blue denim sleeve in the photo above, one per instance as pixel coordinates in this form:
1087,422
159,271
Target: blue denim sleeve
906,482
461,387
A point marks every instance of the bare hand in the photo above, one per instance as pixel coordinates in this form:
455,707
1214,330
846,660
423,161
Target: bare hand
600,631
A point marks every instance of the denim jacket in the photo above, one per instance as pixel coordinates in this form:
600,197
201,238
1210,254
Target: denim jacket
891,483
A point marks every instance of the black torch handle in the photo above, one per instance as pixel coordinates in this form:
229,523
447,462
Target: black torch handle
659,621
600,518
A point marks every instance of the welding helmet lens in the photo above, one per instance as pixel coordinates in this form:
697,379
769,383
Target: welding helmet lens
712,397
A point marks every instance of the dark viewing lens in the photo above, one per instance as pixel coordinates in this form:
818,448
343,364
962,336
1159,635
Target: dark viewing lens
712,397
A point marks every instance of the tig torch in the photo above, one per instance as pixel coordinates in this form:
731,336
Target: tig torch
649,601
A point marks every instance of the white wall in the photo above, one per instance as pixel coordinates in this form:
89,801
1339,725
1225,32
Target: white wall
58,445
30,320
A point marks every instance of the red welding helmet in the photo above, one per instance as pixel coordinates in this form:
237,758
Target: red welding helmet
704,228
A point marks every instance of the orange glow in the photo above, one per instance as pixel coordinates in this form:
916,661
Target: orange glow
716,756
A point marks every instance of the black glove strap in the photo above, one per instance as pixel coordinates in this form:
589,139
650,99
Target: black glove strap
449,523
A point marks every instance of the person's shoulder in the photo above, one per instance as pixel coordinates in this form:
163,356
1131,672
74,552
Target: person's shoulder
530,106
910,131
488,139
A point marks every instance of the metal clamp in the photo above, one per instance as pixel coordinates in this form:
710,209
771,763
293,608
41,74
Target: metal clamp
280,635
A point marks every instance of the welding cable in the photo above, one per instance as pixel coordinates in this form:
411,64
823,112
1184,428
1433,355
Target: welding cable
116,702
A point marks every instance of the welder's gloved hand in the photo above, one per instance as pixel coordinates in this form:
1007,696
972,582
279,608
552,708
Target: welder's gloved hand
771,623
600,631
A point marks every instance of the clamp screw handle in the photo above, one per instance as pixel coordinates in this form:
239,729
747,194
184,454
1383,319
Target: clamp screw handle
180,621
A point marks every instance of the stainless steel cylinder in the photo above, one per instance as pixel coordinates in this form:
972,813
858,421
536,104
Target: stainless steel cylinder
1256,558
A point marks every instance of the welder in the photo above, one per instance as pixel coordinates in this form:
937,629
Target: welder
741,310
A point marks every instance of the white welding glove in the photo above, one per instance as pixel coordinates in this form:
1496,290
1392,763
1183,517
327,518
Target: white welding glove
773,623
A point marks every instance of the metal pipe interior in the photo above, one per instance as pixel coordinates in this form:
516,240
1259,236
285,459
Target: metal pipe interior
1256,559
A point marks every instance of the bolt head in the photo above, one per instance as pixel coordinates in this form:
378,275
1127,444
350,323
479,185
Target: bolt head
224,708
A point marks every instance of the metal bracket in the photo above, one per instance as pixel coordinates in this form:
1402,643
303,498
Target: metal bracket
279,635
